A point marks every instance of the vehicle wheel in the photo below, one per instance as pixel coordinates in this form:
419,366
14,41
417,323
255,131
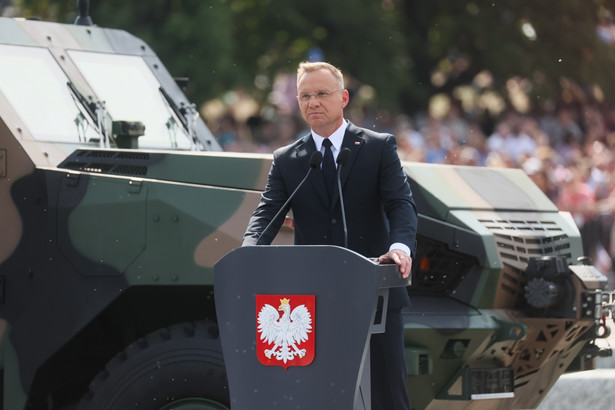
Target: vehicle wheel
179,368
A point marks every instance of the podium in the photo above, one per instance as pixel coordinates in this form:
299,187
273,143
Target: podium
328,369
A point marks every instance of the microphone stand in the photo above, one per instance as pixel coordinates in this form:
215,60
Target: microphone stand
342,158
315,161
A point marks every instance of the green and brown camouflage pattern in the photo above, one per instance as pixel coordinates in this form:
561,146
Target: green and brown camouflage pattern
102,245
91,235
478,230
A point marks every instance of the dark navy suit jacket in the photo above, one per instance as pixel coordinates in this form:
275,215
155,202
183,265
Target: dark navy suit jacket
379,206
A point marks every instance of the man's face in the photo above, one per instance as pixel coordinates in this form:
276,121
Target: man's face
324,113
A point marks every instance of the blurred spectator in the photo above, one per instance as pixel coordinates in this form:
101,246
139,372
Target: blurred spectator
605,28
538,173
478,141
518,144
509,141
578,198
438,141
575,195
570,150
600,177
465,155
497,140
410,142
561,127
497,159
594,124
226,132
458,126
264,133
531,127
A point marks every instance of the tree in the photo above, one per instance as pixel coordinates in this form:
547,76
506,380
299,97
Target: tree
406,50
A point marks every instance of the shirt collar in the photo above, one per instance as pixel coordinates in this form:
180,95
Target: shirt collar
336,138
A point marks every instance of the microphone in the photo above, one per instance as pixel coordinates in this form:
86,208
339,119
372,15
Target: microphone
315,161
342,158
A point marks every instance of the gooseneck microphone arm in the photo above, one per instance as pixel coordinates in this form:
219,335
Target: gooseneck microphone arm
342,158
315,161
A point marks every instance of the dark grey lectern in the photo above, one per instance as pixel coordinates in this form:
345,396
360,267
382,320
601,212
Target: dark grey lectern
346,287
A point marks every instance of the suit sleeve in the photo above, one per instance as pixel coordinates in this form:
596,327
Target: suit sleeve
396,197
272,199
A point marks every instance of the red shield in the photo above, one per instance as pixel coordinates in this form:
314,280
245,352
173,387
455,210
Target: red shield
285,329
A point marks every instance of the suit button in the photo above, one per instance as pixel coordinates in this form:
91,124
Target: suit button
333,221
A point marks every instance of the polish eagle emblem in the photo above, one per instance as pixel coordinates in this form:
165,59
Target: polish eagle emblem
283,338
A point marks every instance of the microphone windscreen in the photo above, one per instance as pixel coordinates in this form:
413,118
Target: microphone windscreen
315,159
343,156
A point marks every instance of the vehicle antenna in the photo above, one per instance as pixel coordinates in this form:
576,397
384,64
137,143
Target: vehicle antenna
83,19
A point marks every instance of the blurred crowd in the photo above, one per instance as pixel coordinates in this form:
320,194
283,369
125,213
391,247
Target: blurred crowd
569,152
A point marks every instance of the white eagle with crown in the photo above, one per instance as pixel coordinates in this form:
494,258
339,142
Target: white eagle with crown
284,332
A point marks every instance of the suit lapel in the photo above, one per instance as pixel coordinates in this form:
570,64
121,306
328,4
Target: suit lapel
303,152
353,141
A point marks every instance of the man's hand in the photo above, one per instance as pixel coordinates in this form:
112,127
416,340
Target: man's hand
401,258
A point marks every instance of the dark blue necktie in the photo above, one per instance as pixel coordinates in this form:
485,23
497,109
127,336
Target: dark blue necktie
328,167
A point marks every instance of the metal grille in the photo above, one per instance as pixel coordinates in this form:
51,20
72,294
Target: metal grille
517,241
109,162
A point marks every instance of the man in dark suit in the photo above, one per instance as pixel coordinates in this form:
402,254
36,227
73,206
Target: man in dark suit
381,214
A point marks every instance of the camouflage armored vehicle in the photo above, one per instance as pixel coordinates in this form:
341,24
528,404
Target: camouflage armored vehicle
116,202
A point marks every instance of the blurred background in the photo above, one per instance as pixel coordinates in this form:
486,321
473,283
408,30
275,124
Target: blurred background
499,83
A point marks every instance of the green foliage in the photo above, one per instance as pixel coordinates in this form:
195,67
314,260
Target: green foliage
407,50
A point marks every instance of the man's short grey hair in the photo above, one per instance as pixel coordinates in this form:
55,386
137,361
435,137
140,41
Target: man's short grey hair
307,67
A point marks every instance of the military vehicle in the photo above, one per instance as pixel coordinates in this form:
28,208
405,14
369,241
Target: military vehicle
116,201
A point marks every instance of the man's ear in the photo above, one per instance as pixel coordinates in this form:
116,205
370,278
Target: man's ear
345,98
